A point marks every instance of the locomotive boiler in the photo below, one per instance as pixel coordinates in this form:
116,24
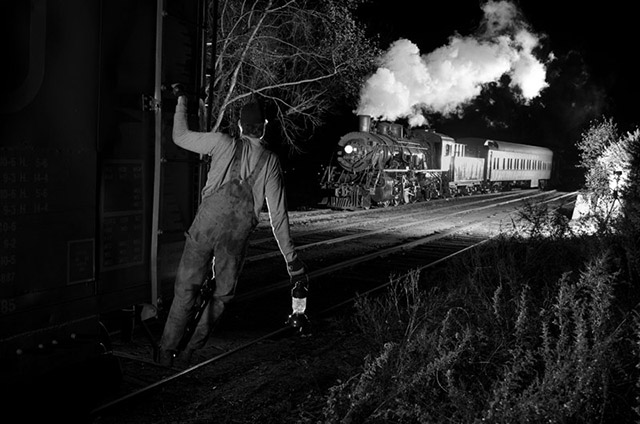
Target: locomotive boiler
384,164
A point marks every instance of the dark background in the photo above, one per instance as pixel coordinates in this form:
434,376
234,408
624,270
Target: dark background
591,77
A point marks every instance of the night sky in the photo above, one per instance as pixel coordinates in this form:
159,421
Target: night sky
596,41
591,75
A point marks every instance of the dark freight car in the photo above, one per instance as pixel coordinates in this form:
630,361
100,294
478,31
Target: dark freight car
94,195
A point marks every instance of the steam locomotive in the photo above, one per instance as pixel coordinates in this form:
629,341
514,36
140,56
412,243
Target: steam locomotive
385,164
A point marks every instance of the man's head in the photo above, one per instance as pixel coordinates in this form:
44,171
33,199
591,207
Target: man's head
252,121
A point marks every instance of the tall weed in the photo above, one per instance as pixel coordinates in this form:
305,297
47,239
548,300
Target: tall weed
516,332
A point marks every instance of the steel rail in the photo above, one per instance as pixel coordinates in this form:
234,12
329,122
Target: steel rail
420,268
122,400
314,275
276,253
378,253
438,208
166,380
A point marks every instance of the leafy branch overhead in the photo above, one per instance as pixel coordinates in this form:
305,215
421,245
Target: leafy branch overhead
302,57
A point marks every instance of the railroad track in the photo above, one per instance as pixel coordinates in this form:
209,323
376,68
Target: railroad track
421,238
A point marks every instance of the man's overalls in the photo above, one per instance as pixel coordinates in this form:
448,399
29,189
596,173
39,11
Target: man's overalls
219,232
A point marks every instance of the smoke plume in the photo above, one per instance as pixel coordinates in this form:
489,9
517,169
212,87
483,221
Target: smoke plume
407,84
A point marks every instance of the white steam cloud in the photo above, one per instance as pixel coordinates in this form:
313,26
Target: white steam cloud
406,83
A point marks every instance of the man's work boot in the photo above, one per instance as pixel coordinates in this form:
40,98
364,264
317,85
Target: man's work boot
165,358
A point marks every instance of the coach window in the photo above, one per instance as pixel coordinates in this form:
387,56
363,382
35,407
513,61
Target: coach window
447,150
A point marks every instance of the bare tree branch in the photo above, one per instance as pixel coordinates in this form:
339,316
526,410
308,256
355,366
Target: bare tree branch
299,55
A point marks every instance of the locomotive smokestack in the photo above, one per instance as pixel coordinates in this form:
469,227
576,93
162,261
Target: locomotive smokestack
364,123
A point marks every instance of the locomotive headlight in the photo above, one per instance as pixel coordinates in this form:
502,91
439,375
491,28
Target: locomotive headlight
348,149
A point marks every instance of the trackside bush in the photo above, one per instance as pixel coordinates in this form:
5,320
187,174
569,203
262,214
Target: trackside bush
518,331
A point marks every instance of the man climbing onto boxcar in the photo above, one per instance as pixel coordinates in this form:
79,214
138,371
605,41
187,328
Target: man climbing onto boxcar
242,175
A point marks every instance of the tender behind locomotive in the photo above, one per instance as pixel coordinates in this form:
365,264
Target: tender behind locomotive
381,165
